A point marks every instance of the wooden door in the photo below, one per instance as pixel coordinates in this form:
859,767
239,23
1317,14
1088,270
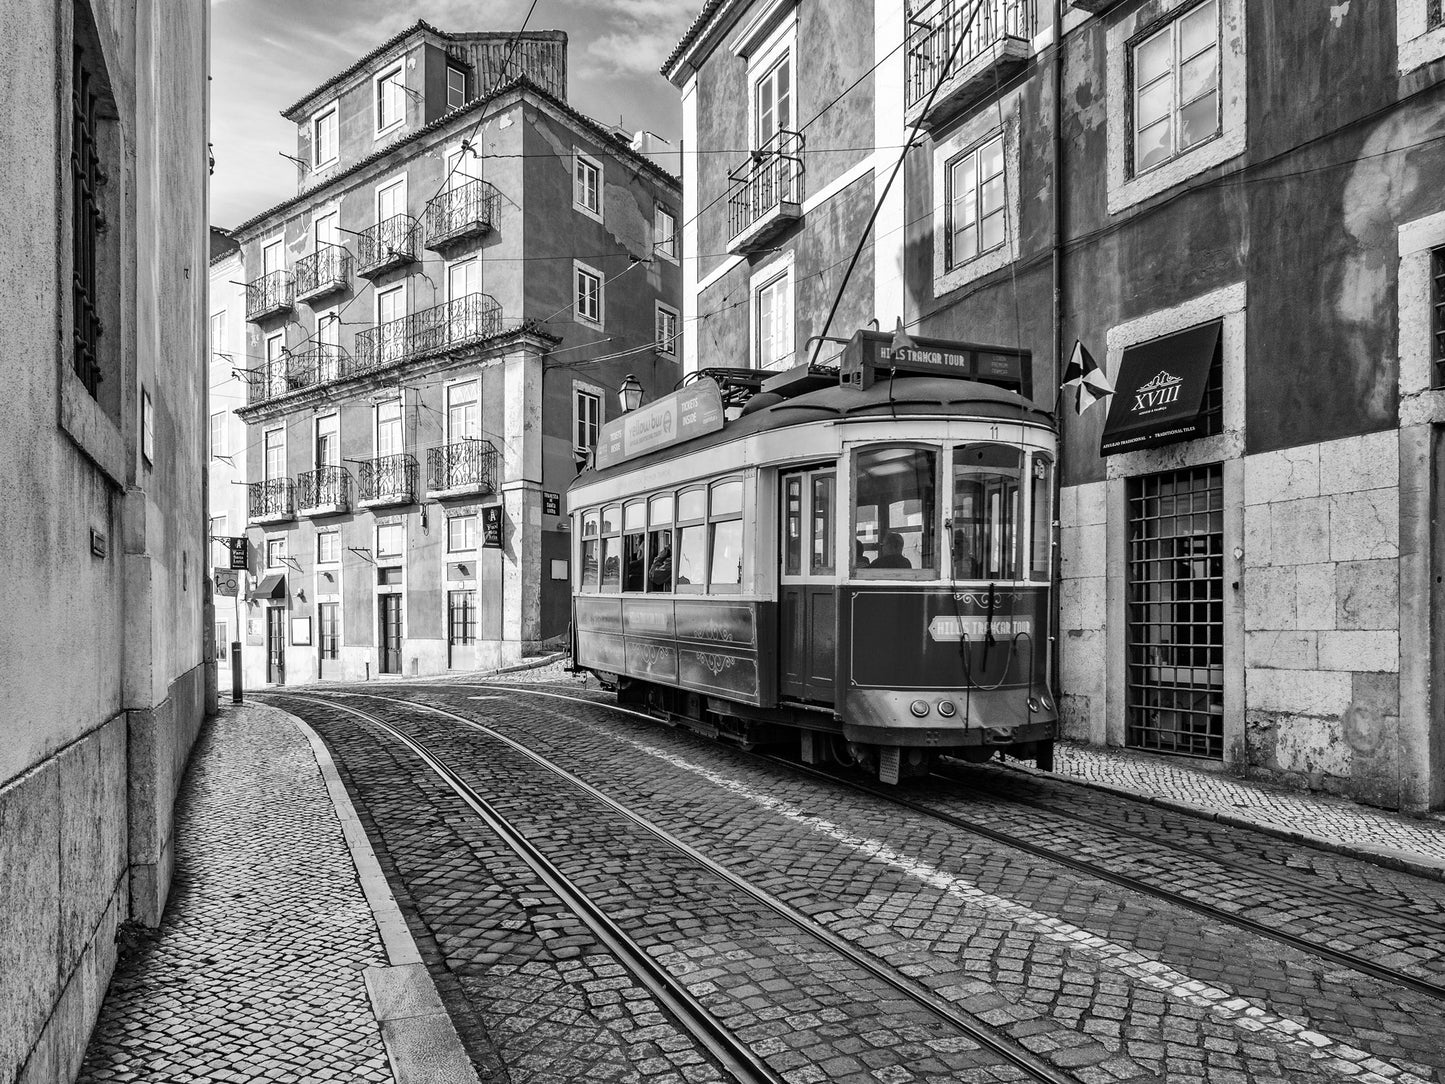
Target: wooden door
389,607
276,645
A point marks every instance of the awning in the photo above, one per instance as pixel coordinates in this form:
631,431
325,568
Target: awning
1159,391
272,586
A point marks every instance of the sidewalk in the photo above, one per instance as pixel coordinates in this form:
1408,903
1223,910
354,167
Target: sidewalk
271,963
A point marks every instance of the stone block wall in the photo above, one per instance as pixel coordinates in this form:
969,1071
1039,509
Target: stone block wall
1322,615
1083,650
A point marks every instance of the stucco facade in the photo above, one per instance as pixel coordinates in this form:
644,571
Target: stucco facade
458,362
102,674
1300,222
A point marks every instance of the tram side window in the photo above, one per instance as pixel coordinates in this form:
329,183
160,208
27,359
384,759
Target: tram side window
590,544
1043,528
690,566
987,527
634,546
659,543
725,519
896,515
611,548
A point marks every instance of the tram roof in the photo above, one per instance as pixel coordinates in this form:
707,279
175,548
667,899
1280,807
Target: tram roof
911,396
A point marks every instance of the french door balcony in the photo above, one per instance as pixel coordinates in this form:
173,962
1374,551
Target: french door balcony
326,271
456,324
386,480
325,491
390,243
465,468
470,210
272,501
765,193
970,47
269,295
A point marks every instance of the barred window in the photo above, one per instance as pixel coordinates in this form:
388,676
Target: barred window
87,177
1437,317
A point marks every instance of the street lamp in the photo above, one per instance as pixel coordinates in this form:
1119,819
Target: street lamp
630,393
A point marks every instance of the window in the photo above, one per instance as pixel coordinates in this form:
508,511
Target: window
587,185
725,523
218,529
977,209
987,532
589,551
223,644
1176,87
323,139
328,547
390,325
1419,32
388,428
276,552
275,375
328,620
89,102
463,419
388,541
588,294
666,333
895,518
1437,317
218,336
389,99
218,434
274,454
462,616
659,543
456,88
634,548
391,200
691,564
773,102
461,534
773,307
665,234
586,419
1041,520
328,440
611,528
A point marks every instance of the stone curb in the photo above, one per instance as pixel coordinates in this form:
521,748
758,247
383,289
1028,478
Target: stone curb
421,1041
1403,862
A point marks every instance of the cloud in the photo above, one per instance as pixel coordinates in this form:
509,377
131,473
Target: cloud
635,53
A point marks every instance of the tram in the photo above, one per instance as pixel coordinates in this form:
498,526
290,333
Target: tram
854,560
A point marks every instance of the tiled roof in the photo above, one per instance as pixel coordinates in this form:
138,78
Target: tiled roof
390,43
709,9
519,83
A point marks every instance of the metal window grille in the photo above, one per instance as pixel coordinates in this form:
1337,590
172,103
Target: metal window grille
1434,15
87,177
1176,612
329,614
1211,406
1437,314
463,616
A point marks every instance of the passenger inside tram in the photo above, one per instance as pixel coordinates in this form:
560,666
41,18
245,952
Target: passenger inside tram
890,552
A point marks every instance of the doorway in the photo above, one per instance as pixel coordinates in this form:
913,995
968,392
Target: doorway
808,584
389,607
276,645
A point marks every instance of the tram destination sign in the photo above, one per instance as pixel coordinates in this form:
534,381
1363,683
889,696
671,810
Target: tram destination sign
871,355
684,415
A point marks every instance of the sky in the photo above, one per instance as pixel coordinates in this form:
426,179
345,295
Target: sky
265,54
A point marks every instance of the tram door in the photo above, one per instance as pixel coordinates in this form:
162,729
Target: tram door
808,581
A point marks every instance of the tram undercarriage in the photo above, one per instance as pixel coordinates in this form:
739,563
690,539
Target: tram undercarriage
816,736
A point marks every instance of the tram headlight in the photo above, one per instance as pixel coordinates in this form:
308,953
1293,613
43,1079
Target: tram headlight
1033,703
919,708
947,708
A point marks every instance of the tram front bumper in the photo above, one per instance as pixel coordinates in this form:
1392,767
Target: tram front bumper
921,718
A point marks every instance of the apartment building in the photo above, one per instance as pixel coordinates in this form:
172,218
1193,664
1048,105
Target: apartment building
102,653
1238,216
431,332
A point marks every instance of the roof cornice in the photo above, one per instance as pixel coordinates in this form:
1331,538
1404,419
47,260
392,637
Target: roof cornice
421,26
712,13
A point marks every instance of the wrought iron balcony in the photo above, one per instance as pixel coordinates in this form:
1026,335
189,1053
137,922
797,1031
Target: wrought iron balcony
326,271
272,501
325,491
462,322
387,479
268,295
464,212
1097,7
467,468
390,243
765,193
292,372
987,42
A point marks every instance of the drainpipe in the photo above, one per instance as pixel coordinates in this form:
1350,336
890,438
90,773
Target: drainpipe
1056,190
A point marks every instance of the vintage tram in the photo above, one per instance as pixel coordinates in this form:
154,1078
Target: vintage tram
855,560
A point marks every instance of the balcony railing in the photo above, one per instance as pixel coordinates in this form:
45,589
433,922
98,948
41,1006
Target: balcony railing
272,501
387,479
292,372
466,468
390,243
324,272
765,194
995,42
458,323
323,491
269,295
467,211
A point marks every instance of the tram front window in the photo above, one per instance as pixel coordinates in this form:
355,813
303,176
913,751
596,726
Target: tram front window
895,517
987,538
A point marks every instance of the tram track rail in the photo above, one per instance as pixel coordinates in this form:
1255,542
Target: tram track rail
1343,958
712,1034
